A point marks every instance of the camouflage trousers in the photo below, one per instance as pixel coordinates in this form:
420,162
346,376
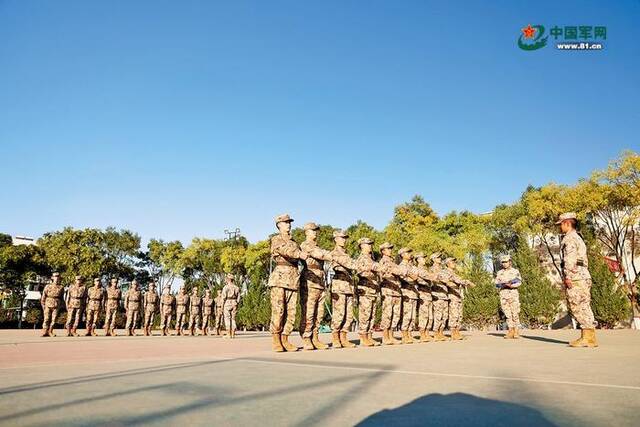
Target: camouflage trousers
181,319
92,318
283,310
50,316
510,304
132,318
312,310
366,313
409,311
425,315
342,316
391,310
73,314
219,319
440,314
579,298
455,313
194,320
206,321
110,318
230,310
148,317
165,319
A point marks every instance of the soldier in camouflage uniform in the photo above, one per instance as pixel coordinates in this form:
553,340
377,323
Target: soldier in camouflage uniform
425,308
312,289
456,287
219,313
577,279
113,302
151,300
341,292
368,291
231,297
167,303
284,282
132,301
207,310
440,295
182,302
95,297
195,311
51,301
508,281
391,295
409,292
75,300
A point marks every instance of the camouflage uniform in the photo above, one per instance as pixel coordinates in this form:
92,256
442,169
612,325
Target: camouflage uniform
113,302
96,296
195,312
341,291
368,291
207,310
425,307
391,296
75,300
182,301
132,306
167,302
231,297
312,289
509,296
219,314
456,294
151,299
51,299
409,293
440,295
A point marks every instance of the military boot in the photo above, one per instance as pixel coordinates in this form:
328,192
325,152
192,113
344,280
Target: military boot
386,340
317,343
591,337
345,341
45,332
364,340
516,333
145,331
440,336
287,345
580,342
372,340
456,335
88,333
68,331
335,340
51,333
424,336
107,331
276,344
93,331
113,332
74,332
393,338
509,334
307,343
406,338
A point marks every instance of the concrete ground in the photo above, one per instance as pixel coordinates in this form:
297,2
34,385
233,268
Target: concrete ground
187,381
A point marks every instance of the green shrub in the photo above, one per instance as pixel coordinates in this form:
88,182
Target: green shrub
481,303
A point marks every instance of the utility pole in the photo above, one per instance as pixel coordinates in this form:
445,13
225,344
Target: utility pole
232,235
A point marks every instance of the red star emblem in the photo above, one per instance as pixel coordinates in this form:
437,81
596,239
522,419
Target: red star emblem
529,32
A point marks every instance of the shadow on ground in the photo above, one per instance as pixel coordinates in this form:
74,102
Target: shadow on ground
457,409
532,337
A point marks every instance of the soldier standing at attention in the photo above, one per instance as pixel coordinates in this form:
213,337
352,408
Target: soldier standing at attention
207,310
284,282
195,311
231,297
409,293
312,292
391,295
219,315
341,292
440,295
50,301
113,302
577,279
167,302
368,291
95,296
456,294
150,307
425,309
132,306
76,297
508,281
182,301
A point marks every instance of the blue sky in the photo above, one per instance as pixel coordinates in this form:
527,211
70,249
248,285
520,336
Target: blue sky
181,119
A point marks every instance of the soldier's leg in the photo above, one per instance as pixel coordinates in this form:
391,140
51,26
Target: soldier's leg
304,311
76,323
385,320
46,319
423,317
127,325
52,325
234,312
397,312
321,308
277,311
308,316
338,307
430,315
579,298
291,307
365,307
406,314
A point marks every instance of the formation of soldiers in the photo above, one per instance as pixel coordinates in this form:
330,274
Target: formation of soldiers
200,314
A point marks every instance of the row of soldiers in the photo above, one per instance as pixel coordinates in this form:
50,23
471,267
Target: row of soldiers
202,312
411,292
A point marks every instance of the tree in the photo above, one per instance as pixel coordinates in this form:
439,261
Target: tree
5,240
165,260
202,263
481,303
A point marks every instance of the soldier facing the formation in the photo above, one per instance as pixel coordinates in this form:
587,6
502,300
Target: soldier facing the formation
508,281
312,289
231,297
195,311
440,295
167,304
75,301
182,301
113,302
150,307
50,301
368,290
95,296
577,279
207,310
218,313
341,292
284,282
409,293
456,287
391,295
132,306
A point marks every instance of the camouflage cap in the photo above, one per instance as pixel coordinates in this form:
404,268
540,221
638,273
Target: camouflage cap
505,258
435,255
386,245
283,218
418,255
340,233
78,277
365,241
96,279
565,216
311,226
404,250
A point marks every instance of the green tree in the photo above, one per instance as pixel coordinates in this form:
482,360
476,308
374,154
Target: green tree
166,261
481,303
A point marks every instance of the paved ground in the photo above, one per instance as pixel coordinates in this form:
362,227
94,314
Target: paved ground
187,381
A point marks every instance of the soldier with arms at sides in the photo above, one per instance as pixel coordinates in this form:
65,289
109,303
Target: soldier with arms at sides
231,297
207,310
508,280
182,302
167,304
95,303
195,311
76,296
132,301
151,299
51,301
113,303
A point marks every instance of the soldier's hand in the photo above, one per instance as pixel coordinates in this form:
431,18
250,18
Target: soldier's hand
304,255
568,283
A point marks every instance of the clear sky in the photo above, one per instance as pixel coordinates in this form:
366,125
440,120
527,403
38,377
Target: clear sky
181,118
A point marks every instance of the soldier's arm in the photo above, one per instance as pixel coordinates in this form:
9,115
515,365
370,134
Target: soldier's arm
345,261
286,250
43,298
570,258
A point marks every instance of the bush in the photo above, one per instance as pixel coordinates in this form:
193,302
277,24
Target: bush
34,316
254,311
481,303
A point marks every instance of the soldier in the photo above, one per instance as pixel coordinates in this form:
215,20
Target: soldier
341,292
425,308
508,281
577,280
113,302
219,313
284,282
391,295
167,303
96,297
132,306
440,295
195,311
150,307
50,301
207,310
182,301
409,293
456,294
231,297
76,297
368,291
312,292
